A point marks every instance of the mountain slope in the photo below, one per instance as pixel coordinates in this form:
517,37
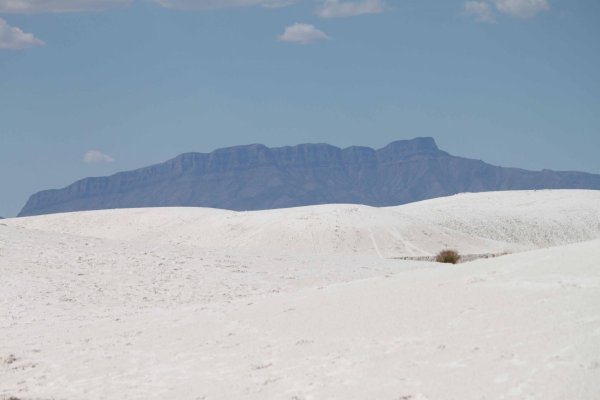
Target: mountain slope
256,177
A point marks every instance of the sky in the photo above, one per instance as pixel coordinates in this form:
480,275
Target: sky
93,87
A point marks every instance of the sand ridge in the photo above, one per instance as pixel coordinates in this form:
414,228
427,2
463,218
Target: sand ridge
300,303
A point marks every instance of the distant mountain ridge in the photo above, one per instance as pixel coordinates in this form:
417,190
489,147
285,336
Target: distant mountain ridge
256,177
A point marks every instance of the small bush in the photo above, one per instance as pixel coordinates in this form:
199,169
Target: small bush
448,257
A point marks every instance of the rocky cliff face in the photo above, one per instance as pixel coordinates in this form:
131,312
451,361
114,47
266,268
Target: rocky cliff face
256,177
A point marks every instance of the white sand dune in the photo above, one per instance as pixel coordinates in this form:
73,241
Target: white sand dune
305,303
475,223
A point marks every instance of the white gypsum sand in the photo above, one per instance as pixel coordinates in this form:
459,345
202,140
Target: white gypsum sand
305,303
475,223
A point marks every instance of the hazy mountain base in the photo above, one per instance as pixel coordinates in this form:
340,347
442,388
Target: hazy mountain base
256,177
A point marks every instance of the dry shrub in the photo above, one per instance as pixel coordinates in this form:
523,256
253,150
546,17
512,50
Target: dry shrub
448,257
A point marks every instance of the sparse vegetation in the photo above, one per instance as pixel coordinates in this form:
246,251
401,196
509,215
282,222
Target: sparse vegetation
448,257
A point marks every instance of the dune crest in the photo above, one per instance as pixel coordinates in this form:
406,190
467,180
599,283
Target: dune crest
305,303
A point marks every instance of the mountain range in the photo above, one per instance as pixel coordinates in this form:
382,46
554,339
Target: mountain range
255,177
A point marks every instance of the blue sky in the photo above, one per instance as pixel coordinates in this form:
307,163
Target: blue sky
92,87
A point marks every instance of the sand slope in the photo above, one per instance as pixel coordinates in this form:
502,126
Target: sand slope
477,223
209,304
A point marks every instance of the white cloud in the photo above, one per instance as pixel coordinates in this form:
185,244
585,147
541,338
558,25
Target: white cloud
57,6
483,11
302,33
522,8
337,8
211,4
480,10
12,38
95,156
44,6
